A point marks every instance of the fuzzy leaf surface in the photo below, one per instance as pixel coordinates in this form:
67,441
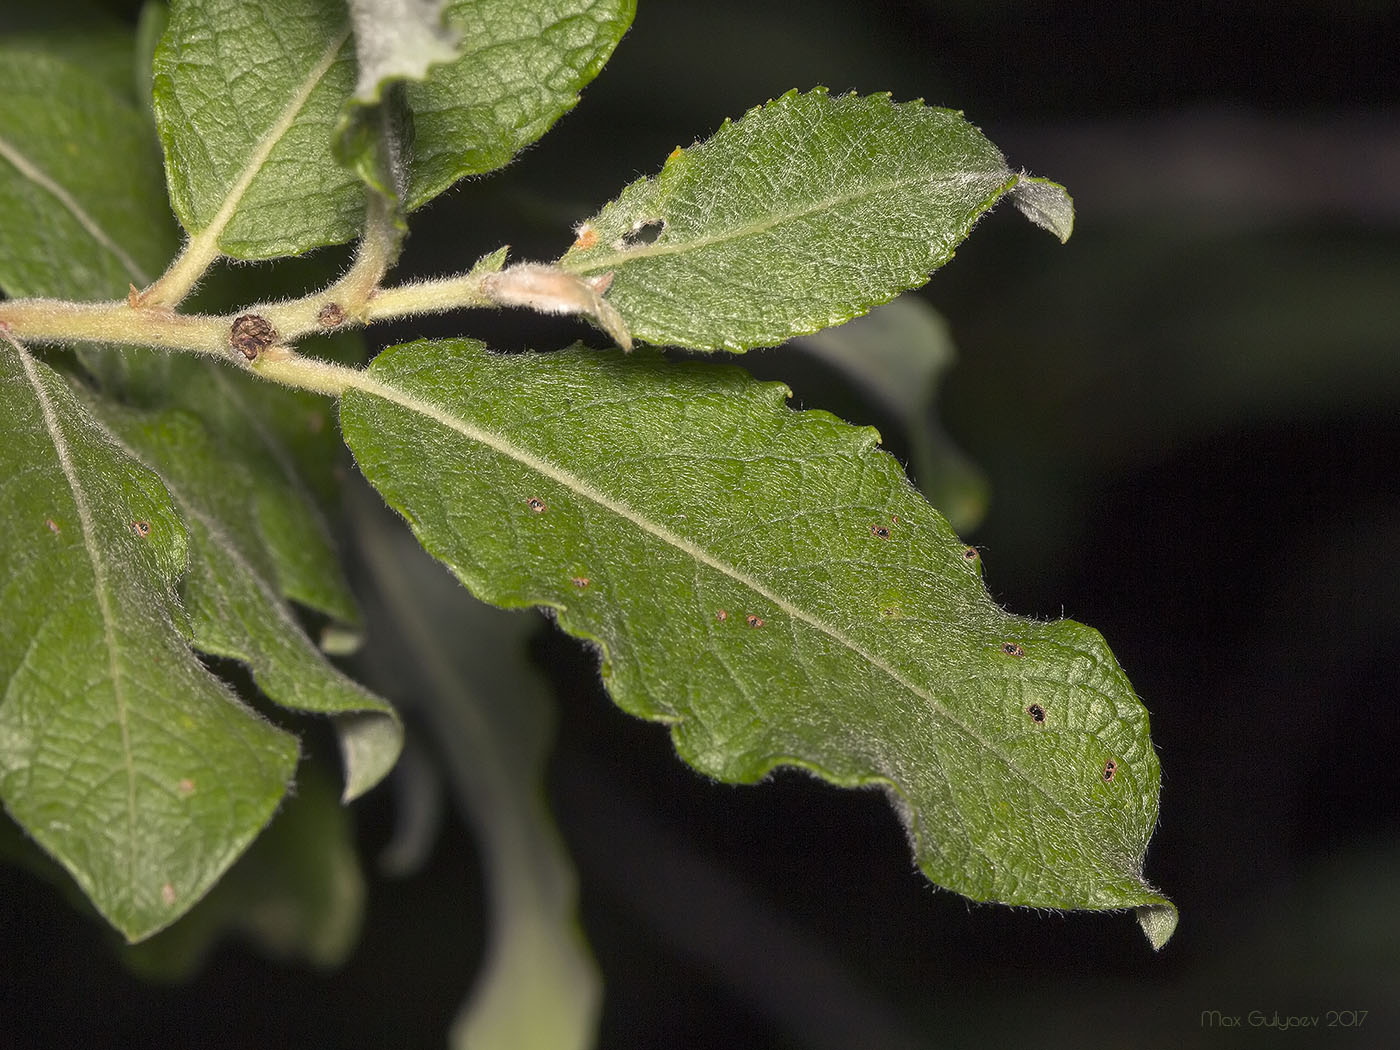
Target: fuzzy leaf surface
521,68
246,100
82,207
119,753
232,596
770,585
805,213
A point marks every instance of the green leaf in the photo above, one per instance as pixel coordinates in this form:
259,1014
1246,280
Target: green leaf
126,760
805,213
897,353
232,597
271,78
522,67
491,714
298,893
82,208
769,584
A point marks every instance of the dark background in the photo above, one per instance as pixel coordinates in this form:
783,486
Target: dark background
1190,419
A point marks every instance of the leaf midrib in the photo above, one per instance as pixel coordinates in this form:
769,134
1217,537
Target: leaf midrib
208,237
101,587
40,178
367,383
768,222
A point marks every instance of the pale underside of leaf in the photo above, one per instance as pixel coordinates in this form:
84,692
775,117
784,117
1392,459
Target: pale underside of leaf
799,605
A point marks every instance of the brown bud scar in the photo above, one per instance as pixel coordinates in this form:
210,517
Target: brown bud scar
721,615
143,528
586,236
1036,712
53,526
581,582
537,505
332,315
1012,649
167,894
1110,768
880,531
185,787
753,621
251,334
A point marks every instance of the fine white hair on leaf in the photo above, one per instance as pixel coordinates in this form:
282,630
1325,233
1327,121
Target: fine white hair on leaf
550,290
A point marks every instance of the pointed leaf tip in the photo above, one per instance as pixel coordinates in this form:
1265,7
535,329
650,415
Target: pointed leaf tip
1045,203
1158,922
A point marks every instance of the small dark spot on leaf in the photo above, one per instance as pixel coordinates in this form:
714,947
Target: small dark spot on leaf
721,615
332,315
970,554
143,528
581,582
53,526
1110,769
1036,712
251,334
753,621
1012,649
880,531
537,505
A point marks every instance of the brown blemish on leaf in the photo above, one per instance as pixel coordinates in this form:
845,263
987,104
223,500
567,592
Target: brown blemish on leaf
536,504
721,615
251,334
581,582
1036,712
753,621
1110,770
970,554
332,315
167,895
1012,649
53,526
142,528
881,532
675,154
185,787
585,236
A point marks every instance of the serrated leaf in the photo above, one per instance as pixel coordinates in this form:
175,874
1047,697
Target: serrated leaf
769,584
82,207
897,353
491,714
298,893
521,68
805,213
271,78
232,598
126,760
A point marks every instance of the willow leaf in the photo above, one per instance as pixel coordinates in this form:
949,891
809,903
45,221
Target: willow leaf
805,213
119,753
82,208
232,597
270,78
522,67
770,585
